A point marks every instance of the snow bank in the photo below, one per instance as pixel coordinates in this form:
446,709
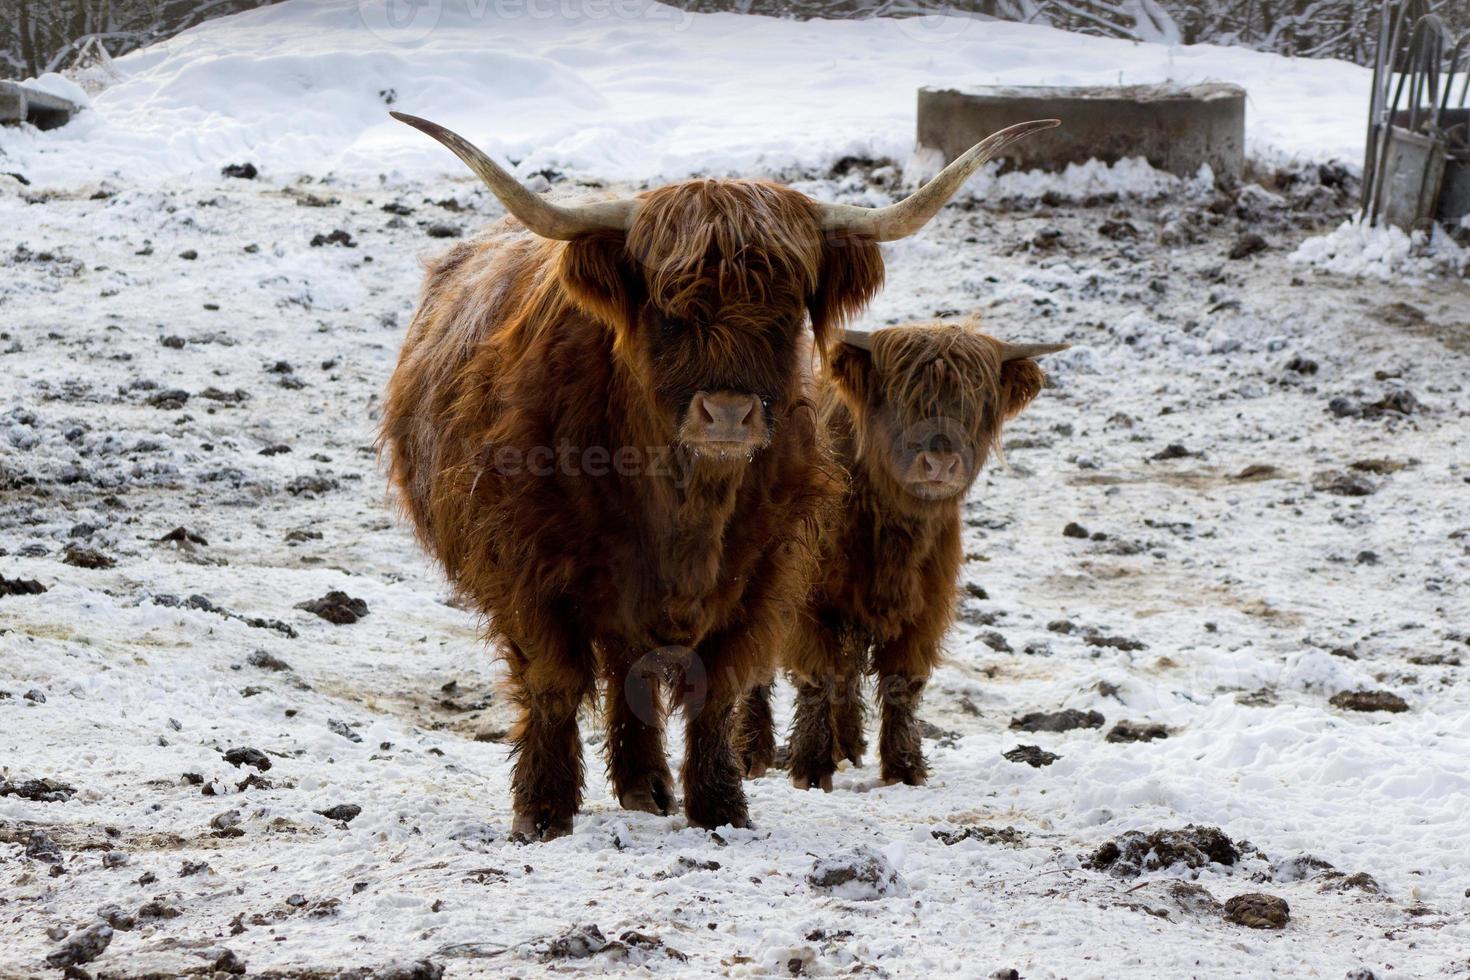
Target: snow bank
61,87
1356,248
626,90
1131,177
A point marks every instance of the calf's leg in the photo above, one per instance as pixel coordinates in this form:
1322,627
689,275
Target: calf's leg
903,667
900,746
755,740
822,731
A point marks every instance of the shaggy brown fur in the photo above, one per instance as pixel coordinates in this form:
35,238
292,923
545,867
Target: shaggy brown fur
886,591
533,429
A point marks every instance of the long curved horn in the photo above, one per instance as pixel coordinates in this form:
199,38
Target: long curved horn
913,212
1008,352
1015,352
548,220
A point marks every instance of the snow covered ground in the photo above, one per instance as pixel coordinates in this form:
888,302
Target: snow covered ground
1265,463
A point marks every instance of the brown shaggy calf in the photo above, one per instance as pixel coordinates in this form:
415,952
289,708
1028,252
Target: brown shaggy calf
598,427
913,412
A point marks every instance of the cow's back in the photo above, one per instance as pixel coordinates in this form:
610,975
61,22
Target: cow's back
458,349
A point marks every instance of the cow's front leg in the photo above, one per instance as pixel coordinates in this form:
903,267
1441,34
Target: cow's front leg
713,794
636,764
755,729
709,691
548,681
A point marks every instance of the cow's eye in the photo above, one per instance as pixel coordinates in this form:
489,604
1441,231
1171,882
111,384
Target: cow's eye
671,327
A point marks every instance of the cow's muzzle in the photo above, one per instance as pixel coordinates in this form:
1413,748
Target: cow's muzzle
725,423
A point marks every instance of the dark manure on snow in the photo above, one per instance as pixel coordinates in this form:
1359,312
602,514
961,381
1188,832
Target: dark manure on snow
20,586
37,790
336,607
1057,721
1032,755
1136,731
1131,854
1258,911
1368,701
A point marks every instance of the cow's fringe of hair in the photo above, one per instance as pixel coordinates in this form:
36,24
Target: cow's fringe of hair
711,241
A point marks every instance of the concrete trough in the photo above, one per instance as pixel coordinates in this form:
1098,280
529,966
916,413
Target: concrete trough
43,110
1175,128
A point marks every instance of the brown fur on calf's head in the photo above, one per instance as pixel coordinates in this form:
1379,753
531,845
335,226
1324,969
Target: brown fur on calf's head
928,402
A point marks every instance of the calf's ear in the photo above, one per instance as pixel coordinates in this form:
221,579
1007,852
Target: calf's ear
1020,382
602,280
851,369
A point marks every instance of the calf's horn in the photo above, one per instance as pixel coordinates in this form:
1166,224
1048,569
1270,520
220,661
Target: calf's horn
1008,352
1016,352
913,212
561,222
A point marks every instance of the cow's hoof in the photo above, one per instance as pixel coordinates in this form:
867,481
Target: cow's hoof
852,751
756,763
726,813
756,758
909,777
822,782
653,797
532,828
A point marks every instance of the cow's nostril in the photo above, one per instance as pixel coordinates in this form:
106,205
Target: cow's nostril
705,415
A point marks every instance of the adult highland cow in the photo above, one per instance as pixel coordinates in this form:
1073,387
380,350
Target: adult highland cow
913,412
597,427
